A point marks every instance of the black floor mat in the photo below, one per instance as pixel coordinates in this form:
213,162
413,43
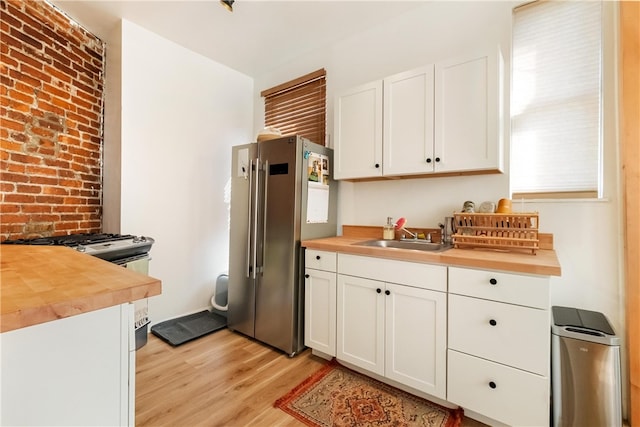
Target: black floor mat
183,329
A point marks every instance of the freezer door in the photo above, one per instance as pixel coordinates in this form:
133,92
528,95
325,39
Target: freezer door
242,249
276,289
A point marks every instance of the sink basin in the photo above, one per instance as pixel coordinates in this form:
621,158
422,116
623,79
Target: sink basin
416,245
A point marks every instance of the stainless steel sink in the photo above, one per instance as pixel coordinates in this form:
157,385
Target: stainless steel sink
416,245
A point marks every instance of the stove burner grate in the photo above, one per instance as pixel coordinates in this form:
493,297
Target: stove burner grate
71,240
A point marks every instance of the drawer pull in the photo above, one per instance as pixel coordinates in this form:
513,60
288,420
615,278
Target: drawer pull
492,384
387,292
492,322
378,290
318,257
493,281
306,276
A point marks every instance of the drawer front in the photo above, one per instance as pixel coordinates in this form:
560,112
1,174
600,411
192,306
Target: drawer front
505,394
505,333
320,260
425,276
532,291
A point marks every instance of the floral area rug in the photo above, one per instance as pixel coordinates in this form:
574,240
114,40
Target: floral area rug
336,396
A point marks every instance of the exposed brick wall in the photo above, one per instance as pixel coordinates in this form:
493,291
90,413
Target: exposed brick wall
51,75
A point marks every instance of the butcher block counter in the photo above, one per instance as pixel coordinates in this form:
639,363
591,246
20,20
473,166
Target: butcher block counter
44,283
544,262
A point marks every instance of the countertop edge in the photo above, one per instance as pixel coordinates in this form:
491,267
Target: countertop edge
49,312
544,263
45,283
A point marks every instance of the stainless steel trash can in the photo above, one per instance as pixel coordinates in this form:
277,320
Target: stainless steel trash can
585,369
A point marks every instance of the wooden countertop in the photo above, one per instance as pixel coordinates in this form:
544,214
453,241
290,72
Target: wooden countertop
43,283
545,262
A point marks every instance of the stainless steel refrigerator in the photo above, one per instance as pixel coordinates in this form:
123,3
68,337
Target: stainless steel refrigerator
282,192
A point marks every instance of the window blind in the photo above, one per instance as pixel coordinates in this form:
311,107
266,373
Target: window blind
556,98
298,107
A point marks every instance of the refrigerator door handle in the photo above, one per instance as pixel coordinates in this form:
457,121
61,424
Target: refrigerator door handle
248,266
255,220
264,213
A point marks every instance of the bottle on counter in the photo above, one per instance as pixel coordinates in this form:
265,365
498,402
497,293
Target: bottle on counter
389,231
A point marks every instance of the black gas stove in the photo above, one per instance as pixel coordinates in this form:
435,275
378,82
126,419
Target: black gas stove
110,247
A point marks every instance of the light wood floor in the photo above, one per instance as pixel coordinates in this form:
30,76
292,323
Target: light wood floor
222,379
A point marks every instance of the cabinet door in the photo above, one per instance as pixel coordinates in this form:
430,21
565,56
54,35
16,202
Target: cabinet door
361,322
468,113
358,132
408,122
320,311
416,346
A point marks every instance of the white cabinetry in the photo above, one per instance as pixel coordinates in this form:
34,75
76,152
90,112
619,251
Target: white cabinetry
358,135
361,322
438,118
392,320
468,113
320,301
73,371
498,358
408,122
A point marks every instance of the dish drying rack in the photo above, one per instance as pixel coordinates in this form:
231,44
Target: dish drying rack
511,232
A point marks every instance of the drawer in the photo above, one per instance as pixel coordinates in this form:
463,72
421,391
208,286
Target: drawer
532,291
320,260
510,334
505,394
425,276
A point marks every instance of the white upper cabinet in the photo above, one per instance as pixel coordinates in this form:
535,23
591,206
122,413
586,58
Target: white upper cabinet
408,122
358,135
468,113
440,118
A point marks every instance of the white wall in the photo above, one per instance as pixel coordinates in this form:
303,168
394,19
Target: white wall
587,233
180,114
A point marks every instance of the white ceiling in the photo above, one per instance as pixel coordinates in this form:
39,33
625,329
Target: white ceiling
256,37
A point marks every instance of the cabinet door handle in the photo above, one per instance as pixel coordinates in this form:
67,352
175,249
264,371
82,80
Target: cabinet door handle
378,290
492,322
377,165
387,292
318,257
306,276
493,281
492,384
429,160
437,159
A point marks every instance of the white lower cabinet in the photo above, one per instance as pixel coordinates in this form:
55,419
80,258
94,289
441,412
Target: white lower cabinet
509,395
416,321
391,329
499,345
361,322
320,302
475,338
320,311
79,370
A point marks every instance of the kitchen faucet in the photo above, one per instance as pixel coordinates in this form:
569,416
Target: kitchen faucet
400,226
415,237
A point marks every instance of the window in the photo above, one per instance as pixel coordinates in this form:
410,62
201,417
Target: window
298,107
556,102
